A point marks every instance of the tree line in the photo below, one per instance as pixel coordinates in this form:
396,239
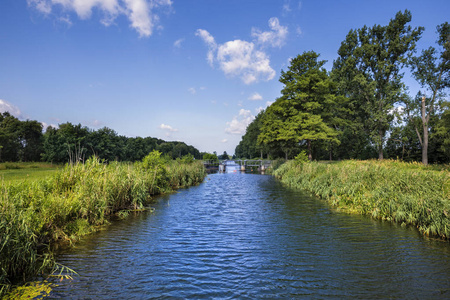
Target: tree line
361,109
26,141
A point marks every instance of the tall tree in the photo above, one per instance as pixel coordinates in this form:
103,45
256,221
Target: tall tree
432,70
300,113
369,70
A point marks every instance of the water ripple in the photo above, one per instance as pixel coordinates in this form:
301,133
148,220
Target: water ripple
245,236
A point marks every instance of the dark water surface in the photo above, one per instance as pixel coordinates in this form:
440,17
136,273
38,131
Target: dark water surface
246,236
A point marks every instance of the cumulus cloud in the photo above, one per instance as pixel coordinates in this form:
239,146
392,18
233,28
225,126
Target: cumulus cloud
276,37
141,13
224,141
255,97
244,59
240,122
167,128
8,107
192,90
240,58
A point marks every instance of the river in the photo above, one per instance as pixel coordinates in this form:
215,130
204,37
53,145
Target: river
246,236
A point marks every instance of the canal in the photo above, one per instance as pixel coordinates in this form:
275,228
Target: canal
245,236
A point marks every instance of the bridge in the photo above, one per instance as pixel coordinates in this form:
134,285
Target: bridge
261,164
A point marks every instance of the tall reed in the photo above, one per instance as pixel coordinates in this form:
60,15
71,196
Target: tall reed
36,214
407,193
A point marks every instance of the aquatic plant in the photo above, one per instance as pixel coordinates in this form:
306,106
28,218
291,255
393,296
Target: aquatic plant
406,193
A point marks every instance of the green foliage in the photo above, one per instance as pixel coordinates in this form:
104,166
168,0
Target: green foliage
301,158
432,70
188,159
248,147
387,190
73,202
209,156
302,112
368,71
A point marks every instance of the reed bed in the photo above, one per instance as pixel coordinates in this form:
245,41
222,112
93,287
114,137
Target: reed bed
34,215
406,193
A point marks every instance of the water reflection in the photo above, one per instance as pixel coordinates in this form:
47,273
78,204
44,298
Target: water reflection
245,236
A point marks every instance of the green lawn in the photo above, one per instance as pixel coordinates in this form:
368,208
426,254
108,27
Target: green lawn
26,171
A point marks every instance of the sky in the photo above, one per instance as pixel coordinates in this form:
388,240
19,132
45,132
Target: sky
196,71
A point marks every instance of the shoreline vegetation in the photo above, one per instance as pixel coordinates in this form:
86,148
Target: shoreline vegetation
409,194
37,215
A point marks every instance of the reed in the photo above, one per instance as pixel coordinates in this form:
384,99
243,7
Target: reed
406,193
34,215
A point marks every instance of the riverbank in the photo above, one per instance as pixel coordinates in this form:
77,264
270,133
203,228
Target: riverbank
35,215
406,193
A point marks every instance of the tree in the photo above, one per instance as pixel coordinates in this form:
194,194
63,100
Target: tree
248,147
299,115
31,140
432,70
369,70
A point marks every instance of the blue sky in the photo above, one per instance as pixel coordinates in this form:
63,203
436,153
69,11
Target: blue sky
194,71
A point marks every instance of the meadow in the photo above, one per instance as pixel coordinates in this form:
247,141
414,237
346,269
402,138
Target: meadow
410,194
11,171
61,207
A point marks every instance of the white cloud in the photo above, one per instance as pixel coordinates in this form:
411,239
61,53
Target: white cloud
275,38
8,107
224,141
239,58
255,97
192,90
167,128
240,122
177,43
139,12
210,42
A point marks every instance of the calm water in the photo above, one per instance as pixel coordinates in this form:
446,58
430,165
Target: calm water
246,236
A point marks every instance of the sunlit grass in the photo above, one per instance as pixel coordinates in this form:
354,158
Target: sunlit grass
407,193
26,171
74,201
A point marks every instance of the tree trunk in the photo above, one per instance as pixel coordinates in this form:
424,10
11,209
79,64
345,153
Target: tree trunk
331,151
380,146
309,150
425,134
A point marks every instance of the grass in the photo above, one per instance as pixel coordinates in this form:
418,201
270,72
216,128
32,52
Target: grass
74,201
406,193
26,171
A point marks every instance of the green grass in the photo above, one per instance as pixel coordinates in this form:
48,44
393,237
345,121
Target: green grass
26,171
74,201
406,193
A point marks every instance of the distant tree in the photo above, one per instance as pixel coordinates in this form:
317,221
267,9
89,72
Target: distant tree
369,71
209,156
432,70
31,140
10,131
224,155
